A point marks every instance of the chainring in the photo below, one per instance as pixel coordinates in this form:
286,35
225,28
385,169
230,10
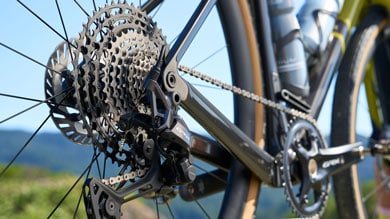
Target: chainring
306,196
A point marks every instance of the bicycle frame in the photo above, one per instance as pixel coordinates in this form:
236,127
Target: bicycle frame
259,161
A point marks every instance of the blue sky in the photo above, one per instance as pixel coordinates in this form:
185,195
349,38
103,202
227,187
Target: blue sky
24,32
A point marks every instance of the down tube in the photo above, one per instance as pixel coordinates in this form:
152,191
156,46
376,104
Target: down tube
231,137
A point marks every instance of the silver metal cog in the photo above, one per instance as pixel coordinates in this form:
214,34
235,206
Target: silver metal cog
306,197
118,47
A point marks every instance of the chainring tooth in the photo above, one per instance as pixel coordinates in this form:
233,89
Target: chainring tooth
309,201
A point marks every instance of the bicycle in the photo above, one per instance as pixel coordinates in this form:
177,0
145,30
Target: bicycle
117,86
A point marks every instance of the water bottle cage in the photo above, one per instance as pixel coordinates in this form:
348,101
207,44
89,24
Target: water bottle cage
283,41
316,17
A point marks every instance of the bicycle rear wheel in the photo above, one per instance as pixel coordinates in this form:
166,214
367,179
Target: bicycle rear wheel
243,59
348,123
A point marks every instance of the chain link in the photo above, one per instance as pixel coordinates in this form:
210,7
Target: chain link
248,95
112,181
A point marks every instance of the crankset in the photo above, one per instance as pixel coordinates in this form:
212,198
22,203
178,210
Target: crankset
299,167
306,165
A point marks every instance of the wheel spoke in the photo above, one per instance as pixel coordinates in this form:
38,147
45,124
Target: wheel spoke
78,205
22,98
63,27
97,163
19,113
376,189
170,210
35,105
62,21
157,208
202,208
210,56
219,50
24,146
94,5
31,137
210,173
81,8
27,57
85,172
44,22
157,10
37,100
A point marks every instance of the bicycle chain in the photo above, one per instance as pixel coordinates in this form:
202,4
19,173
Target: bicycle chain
112,181
249,95
273,105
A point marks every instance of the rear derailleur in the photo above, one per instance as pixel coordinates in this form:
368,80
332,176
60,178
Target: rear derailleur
165,151
104,198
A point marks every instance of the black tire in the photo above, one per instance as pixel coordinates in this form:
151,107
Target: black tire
352,71
242,193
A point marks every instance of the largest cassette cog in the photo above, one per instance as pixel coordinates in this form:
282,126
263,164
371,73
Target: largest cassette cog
118,47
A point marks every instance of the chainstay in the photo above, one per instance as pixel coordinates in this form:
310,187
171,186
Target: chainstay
249,95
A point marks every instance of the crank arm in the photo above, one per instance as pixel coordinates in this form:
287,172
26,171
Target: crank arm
329,161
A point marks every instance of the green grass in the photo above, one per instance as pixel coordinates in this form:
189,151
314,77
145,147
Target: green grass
33,193
29,192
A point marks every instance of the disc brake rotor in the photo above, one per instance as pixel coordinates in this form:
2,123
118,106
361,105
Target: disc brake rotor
58,92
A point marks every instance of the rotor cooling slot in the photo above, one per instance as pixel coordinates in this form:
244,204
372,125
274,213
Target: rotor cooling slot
92,85
59,95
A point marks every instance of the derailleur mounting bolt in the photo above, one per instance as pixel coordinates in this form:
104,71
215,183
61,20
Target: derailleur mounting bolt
171,80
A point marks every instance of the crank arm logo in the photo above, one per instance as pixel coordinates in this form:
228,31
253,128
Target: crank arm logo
333,162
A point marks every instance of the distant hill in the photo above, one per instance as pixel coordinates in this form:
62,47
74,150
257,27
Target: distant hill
47,150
